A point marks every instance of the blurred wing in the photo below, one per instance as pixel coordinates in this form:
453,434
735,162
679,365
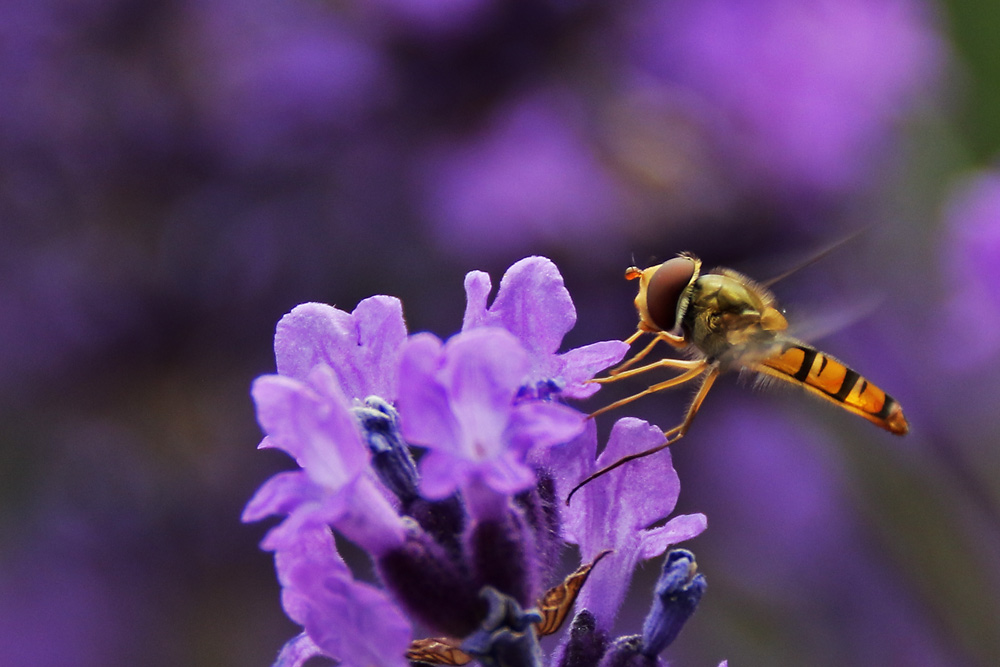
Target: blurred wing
812,323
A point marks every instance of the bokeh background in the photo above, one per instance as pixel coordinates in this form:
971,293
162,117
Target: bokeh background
175,175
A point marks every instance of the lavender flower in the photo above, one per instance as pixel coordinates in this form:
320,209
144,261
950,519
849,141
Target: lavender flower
458,400
530,175
612,511
970,266
464,544
806,91
534,305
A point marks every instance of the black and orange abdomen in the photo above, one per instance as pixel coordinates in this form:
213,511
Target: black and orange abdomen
828,378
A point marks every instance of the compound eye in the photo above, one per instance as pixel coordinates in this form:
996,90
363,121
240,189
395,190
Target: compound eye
665,288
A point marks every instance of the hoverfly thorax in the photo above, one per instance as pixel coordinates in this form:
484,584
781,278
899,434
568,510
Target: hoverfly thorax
665,292
729,312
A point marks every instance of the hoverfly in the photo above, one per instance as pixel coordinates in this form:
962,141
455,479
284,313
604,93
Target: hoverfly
728,322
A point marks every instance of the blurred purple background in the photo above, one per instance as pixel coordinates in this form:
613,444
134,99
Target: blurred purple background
174,176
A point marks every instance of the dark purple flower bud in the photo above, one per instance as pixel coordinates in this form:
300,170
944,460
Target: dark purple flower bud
390,456
434,587
585,645
501,551
677,593
506,637
541,511
627,652
444,520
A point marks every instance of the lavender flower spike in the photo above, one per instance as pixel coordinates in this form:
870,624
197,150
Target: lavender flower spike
458,400
480,514
534,305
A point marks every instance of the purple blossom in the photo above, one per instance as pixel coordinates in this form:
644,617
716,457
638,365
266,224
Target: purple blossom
289,81
972,270
528,177
614,510
431,18
458,400
804,93
534,305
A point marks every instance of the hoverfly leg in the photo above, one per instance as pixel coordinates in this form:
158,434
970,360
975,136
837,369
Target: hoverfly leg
676,341
623,460
694,369
671,436
677,432
682,364
628,362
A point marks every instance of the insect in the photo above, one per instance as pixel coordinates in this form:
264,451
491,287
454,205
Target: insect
728,322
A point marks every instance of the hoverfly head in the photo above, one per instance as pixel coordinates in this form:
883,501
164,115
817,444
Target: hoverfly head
665,291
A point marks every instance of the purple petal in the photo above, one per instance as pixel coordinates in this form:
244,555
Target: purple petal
457,400
543,424
645,490
612,511
318,431
382,332
297,651
309,541
442,474
483,371
305,518
605,590
569,463
683,527
353,622
507,474
583,363
362,347
280,495
477,291
369,520
534,305
424,408
312,333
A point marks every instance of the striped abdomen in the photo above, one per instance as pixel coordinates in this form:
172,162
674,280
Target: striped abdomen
828,378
